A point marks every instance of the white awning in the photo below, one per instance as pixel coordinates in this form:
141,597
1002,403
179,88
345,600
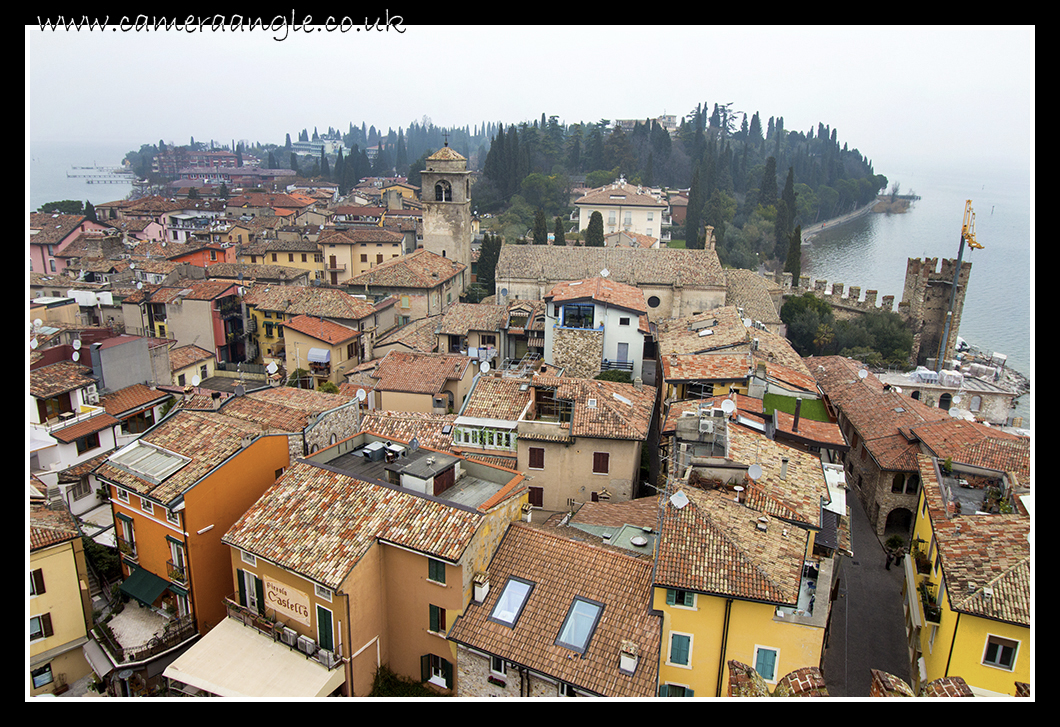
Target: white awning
234,660
319,355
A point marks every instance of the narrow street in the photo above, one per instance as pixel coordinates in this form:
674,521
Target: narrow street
867,628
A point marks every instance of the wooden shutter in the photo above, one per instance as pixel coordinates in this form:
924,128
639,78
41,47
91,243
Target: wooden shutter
242,588
601,462
671,597
537,496
37,577
678,649
324,630
425,667
46,624
537,458
259,589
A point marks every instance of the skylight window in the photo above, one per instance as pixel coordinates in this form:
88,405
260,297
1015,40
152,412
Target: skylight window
512,600
580,624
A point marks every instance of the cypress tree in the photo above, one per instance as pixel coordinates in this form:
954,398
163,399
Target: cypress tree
558,233
793,264
594,233
540,228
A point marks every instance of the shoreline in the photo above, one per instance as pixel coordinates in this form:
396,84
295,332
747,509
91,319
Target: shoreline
880,205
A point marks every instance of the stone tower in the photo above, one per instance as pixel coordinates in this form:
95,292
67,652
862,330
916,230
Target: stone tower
446,197
928,288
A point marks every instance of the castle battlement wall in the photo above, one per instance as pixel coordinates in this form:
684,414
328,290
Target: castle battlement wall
924,306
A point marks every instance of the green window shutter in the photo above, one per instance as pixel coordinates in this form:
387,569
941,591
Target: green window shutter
662,690
425,667
689,692
259,588
679,649
671,597
437,619
242,588
435,570
447,670
766,664
324,630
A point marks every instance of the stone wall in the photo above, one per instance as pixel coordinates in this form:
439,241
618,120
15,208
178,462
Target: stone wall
579,352
925,301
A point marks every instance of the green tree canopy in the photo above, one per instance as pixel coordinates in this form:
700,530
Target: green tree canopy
594,233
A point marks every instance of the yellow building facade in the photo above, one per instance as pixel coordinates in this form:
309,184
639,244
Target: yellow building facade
967,585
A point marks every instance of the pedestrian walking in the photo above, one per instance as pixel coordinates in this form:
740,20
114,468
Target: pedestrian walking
889,558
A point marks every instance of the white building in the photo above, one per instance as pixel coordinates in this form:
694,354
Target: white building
596,324
624,208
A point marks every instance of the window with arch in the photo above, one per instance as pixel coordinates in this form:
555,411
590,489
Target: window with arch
443,191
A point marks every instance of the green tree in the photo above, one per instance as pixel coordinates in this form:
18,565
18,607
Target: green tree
793,264
486,268
594,233
767,190
559,233
63,207
540,228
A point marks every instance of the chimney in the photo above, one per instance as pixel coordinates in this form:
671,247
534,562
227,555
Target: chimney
798,408
482,586
784,468
628,656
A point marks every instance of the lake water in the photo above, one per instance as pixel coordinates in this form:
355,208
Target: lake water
871,252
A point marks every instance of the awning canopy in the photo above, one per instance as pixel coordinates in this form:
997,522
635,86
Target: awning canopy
234,660
144,586
319,355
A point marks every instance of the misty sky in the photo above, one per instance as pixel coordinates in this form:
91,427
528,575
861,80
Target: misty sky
893,93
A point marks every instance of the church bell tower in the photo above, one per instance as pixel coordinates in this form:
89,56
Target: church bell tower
446,196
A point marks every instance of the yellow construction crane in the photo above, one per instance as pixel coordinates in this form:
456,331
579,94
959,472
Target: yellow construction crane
967,236
968,228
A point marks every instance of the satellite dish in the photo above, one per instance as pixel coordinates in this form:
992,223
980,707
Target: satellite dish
728,406
132,266
679,500
272,368
37,323
33,343
77,344
754,471
195,380
361,395
898,390
863,373
139,285
604,273
746,322
484,367
957,399
76,356
639,540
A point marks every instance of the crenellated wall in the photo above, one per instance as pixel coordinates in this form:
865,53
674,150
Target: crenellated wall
925,301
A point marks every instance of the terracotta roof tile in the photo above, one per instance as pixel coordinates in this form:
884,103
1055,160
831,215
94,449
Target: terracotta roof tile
421,373
714,545
564,565
602,290
58,378
50,527
420,269
319,523
322,330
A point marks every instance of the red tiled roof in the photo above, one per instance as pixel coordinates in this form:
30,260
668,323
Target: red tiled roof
322,330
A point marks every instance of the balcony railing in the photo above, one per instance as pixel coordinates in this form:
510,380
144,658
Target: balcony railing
929,599
270,627
177,573
126,547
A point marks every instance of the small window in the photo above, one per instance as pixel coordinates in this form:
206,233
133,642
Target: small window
121,494
623,321
248,558
537,458
324,593
678,597
146,506
172,516
654,302
36,582
766,663
1000,653
40,627
580,624
675,690
42,676
511,601
498,666
601,463
437,619
680,650
435,570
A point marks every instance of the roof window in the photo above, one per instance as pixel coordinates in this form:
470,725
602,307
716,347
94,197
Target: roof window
578,627
511,601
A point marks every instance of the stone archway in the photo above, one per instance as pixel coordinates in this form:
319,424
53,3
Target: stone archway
899,522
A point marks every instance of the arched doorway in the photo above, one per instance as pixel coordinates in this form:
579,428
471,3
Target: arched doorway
899,522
